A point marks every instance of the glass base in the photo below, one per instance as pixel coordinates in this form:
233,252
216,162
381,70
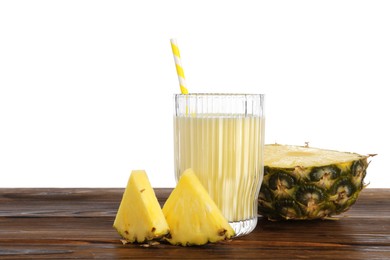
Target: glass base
244,227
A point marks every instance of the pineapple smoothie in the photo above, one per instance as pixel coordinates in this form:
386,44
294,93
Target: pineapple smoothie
225,152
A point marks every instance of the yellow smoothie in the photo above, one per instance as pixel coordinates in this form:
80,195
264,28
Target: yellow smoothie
224,152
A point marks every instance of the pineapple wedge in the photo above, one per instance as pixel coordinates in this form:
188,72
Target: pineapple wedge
192,216
139,217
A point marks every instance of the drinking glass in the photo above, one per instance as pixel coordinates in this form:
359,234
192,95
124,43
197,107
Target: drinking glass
221,137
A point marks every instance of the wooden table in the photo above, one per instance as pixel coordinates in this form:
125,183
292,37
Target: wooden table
77,223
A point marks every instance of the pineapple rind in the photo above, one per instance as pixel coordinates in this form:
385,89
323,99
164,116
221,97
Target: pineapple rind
339,180
192,216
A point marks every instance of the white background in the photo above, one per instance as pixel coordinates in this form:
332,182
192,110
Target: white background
86,87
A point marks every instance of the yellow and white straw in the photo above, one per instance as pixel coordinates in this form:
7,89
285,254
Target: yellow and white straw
179,68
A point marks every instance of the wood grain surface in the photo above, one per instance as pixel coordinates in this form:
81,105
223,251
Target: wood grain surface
51,223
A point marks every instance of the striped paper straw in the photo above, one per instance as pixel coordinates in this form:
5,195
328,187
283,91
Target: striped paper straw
179,68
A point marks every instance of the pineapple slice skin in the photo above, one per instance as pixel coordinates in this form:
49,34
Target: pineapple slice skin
139,217
310,192
192,216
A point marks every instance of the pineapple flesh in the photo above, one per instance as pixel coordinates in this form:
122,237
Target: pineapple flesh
309,183
192,216
139,217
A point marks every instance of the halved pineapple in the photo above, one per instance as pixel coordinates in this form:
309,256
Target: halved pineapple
192,216
139,217
309,183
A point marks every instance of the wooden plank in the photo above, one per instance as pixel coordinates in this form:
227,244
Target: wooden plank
64,202
77,223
